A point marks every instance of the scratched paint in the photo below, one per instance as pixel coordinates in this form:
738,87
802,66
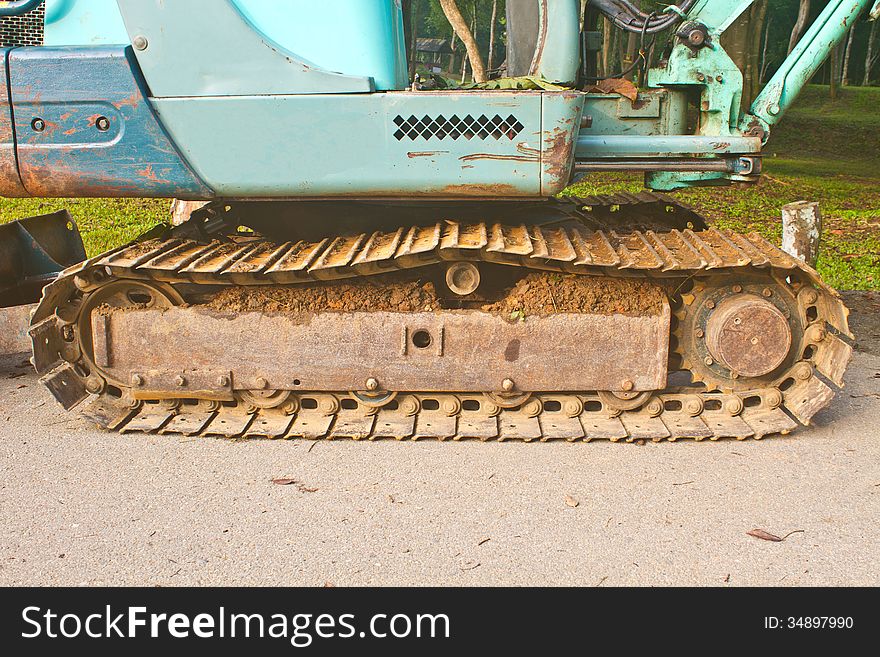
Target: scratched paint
101,138
10,183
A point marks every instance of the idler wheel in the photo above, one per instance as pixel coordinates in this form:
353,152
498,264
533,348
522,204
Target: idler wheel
462,278
748,335
374,399
624,401
264,398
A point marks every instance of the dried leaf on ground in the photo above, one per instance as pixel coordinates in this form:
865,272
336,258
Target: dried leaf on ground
619,86
301,487
767,536
571,502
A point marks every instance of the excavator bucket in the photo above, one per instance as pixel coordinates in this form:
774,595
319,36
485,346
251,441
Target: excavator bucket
33,252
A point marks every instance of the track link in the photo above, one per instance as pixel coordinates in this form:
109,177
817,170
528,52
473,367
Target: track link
693,259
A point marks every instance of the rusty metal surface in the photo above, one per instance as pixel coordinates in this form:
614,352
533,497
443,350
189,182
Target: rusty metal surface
14,324
10,182
749,335
732,419
767,342
708,258
66,386
768,421
545,247
32,252
807,398
468,351
84,127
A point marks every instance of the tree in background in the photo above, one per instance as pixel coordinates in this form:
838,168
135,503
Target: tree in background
743,42
759,42
484,19
800,25
871,56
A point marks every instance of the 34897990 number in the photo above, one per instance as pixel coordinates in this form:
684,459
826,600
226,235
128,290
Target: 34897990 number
809,622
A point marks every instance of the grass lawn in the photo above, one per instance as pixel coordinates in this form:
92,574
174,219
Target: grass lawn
822,152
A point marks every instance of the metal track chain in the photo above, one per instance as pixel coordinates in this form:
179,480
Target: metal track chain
564,246
669,416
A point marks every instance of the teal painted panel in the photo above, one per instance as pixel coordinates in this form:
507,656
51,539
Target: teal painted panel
84,22
718,15
448,144
209,48
559,59
561,121
658,112
84,127
363,39
355,38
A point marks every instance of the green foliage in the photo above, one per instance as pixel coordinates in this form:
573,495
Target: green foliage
103,223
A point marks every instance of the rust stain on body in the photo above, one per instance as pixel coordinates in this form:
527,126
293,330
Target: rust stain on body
149,174
558,156
414,154
528,154
487,190
496,156
131,101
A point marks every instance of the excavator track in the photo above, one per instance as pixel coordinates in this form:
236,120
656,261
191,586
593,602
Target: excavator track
715,281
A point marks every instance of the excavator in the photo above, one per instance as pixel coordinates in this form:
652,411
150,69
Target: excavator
387,257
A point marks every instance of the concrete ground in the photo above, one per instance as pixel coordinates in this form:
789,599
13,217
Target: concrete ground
81,506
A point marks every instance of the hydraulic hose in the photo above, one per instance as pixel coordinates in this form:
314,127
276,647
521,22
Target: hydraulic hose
626,16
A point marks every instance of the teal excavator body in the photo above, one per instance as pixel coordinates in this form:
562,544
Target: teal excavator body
205,99
375,251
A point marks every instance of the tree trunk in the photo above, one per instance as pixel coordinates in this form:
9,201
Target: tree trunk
765,64
870,58
453,15
844,81
742,41
413,36
833,68
802,230
474,32
759,17
452,56
736,43
489,59
631,53
607,32
800,25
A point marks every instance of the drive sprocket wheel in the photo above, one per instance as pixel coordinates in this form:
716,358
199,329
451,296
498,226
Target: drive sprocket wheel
739,335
